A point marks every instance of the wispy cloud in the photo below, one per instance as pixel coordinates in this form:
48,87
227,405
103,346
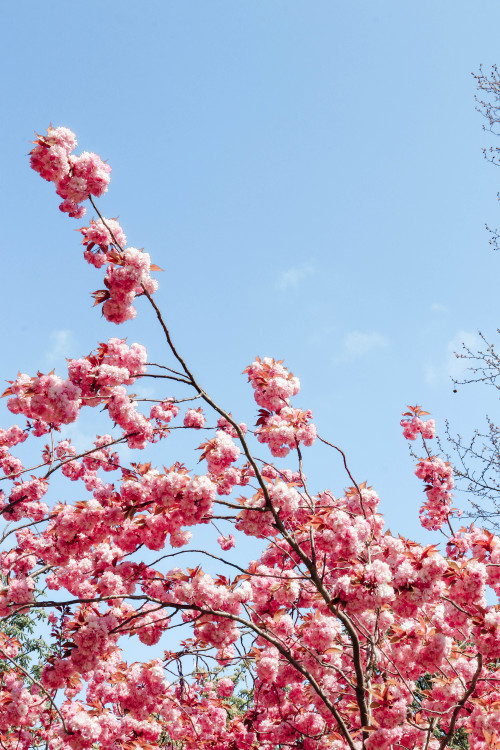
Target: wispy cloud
357,344
438,307
451,366
292,277
61,342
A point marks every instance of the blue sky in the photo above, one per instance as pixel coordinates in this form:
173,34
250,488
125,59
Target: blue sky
308,174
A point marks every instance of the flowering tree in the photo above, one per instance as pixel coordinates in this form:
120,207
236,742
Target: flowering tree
350,637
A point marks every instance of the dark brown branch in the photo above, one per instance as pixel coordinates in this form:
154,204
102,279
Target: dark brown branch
451,731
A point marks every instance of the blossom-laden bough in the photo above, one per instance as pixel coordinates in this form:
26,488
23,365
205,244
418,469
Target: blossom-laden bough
347,636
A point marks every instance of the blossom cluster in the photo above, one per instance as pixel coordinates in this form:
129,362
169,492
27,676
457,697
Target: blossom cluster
98,239
52,400
438,477
194,418
11,465
436,473
75,177
413,425
49,401
127,277
220,454
279,426
272,383
284,431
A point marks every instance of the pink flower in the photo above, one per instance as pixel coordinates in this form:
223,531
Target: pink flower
226,542
223,424
272,383
225,687
194,418
20,590
285,430
75,177
220,452
415,426
99,233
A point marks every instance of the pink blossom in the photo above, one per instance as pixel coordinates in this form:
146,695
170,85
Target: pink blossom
45,397
223,424
220,452
225,687
226,542
20,590
272,383
194,418
75,177
103,233
285,430
415,426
